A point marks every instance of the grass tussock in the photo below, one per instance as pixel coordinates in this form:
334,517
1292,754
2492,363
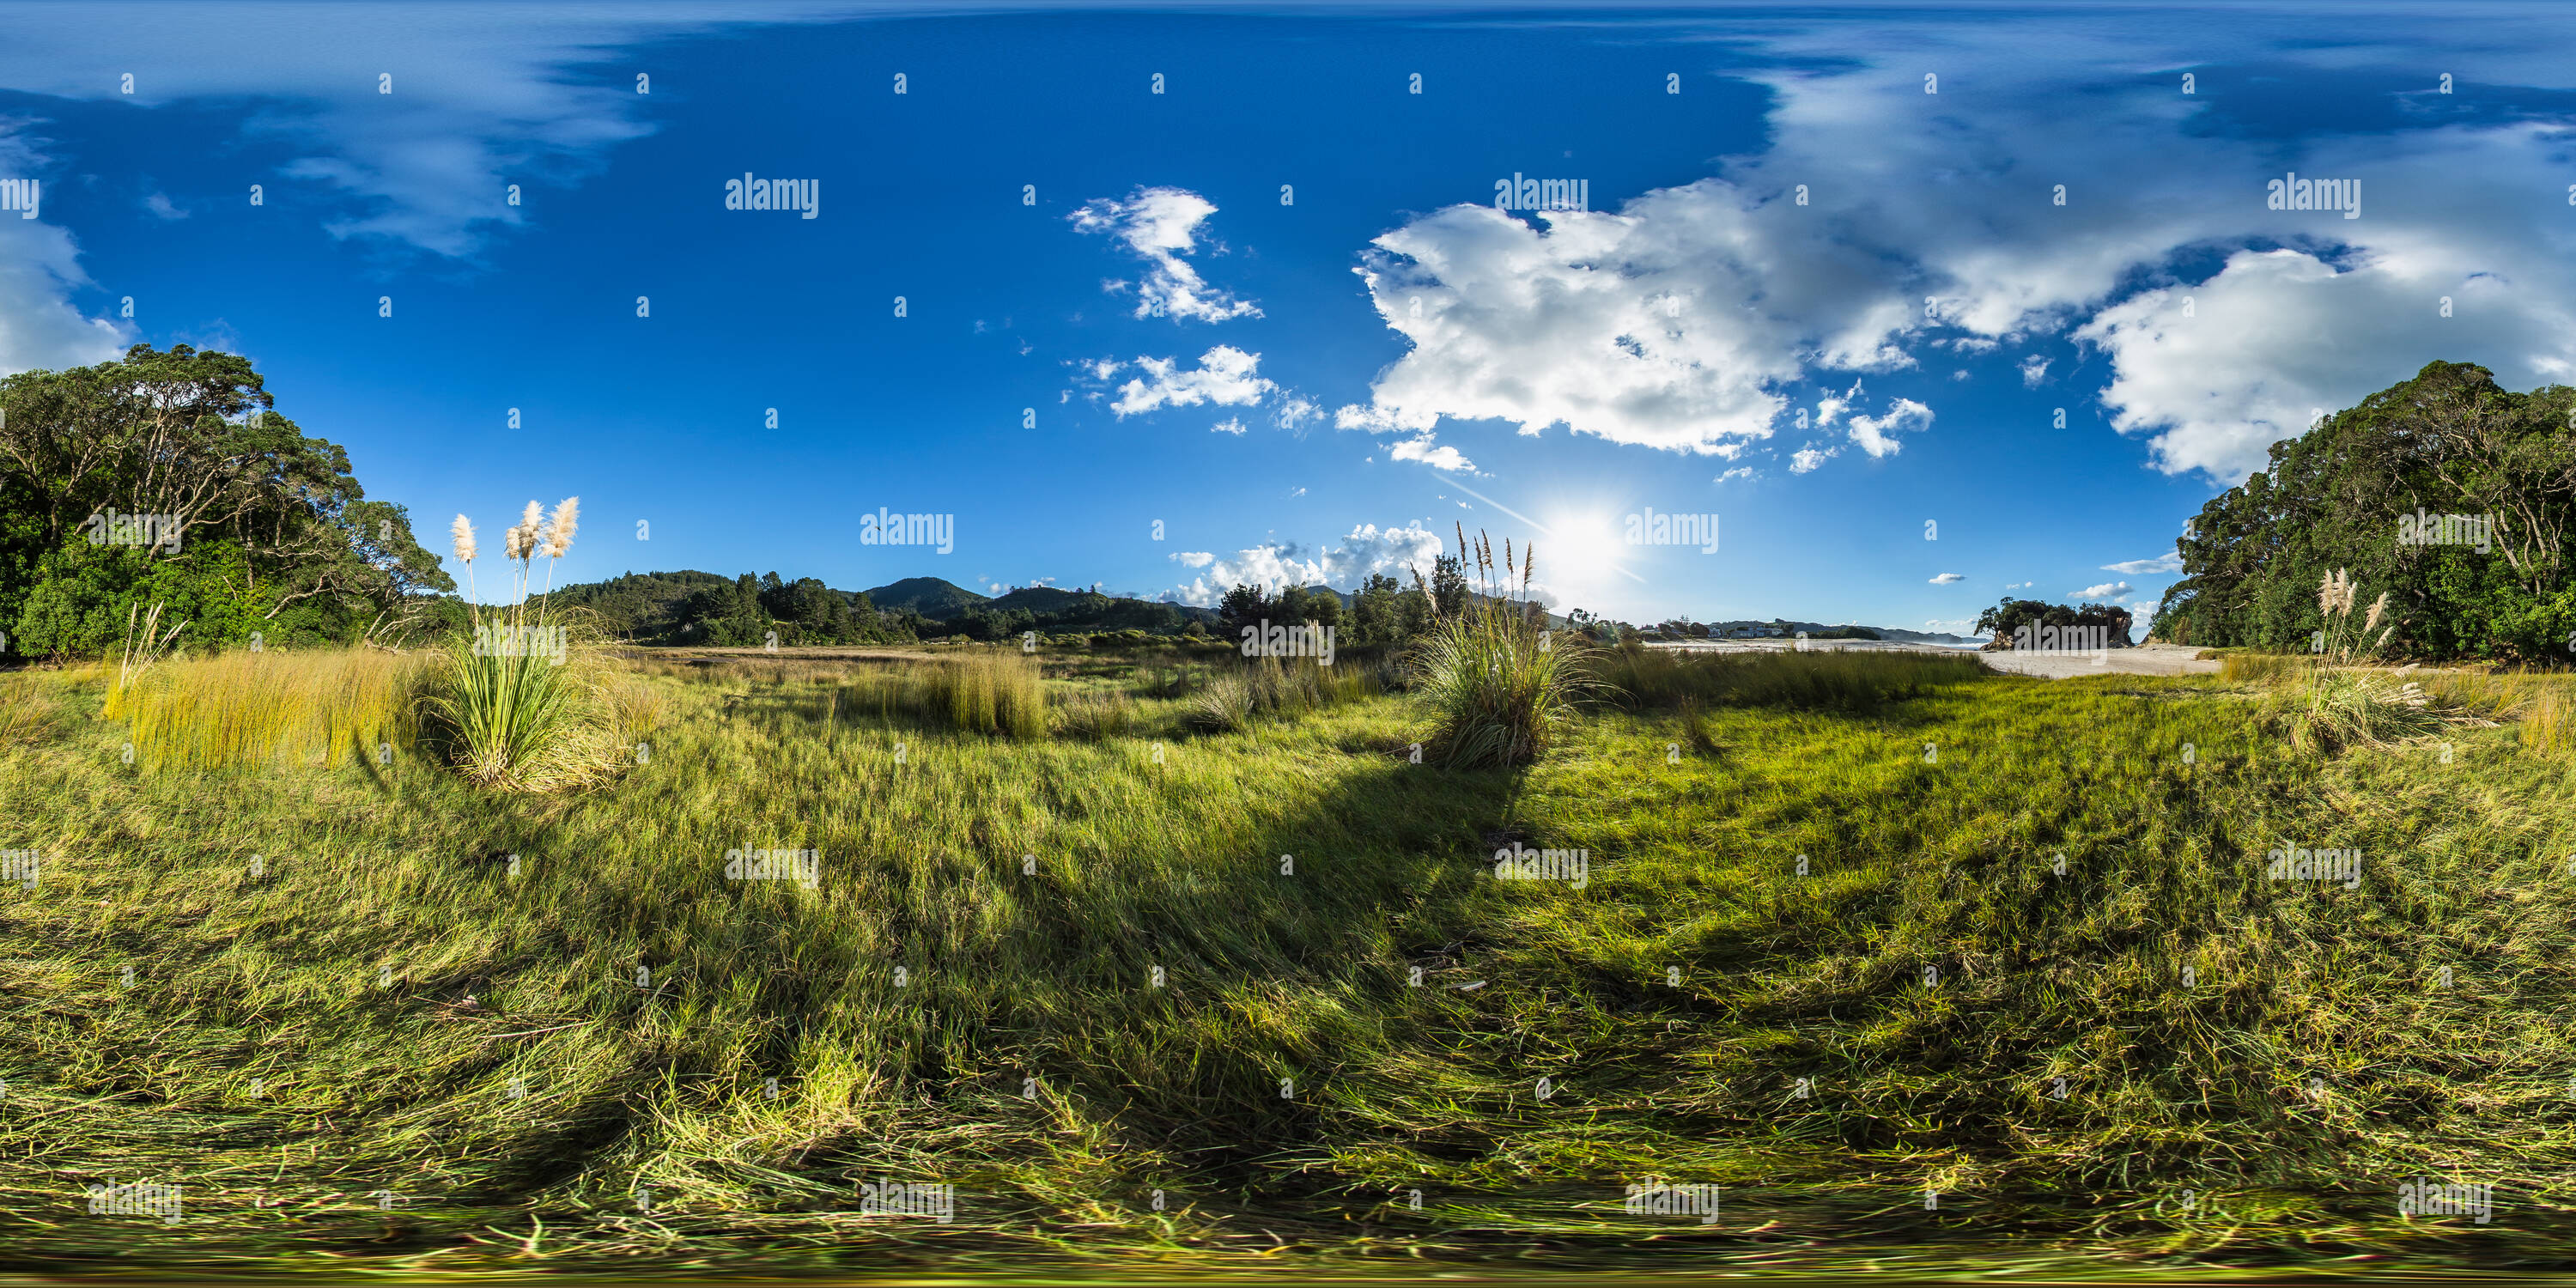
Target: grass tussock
1096,717
2263,668
1501,687
271,708
2548,724
24,710
992,693
1276,689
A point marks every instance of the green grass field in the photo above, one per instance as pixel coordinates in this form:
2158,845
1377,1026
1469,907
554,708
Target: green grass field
1149,995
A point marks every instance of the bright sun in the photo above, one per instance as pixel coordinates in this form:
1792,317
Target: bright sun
1581,553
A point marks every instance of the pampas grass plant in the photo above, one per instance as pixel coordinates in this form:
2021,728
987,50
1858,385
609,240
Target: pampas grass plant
2347,706
1096,717
519,708
1501,687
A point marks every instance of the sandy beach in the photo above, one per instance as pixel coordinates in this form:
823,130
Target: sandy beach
2142,659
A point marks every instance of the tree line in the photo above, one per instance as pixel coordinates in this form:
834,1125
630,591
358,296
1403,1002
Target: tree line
2052,624
736,612
1381,611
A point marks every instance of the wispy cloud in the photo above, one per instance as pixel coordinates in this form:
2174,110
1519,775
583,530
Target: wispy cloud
1160,225
1439,456
2145,567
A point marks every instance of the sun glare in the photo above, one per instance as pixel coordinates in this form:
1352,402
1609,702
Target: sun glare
1581,552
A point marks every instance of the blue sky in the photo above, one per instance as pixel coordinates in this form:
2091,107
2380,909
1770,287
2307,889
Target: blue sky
1158,336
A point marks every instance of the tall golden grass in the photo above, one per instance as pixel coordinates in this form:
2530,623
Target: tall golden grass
143,650
22,709
982,692
272,708
2549,721
994,693
1285,688
2377,705
2257,668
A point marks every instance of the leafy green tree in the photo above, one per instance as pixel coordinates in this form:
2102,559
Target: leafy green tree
2007,618
1412,613
2492,471
1243,606
268,530
1374,618
1324,608
1293,604
1449,585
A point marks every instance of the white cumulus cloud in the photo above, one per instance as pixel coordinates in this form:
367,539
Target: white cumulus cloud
1871,433
1226,376
1295,410
1946,578
1365,549
1680,319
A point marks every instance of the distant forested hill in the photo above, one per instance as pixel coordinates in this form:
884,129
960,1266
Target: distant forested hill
641,604
932,597
692,607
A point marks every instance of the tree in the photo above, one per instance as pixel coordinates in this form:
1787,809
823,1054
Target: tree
1324,608
2010,615
1374,617
2452,496
258,527
1292,606
1242,606
1448,585
1412,612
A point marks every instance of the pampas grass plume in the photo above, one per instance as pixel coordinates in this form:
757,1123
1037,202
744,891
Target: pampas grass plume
560,528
